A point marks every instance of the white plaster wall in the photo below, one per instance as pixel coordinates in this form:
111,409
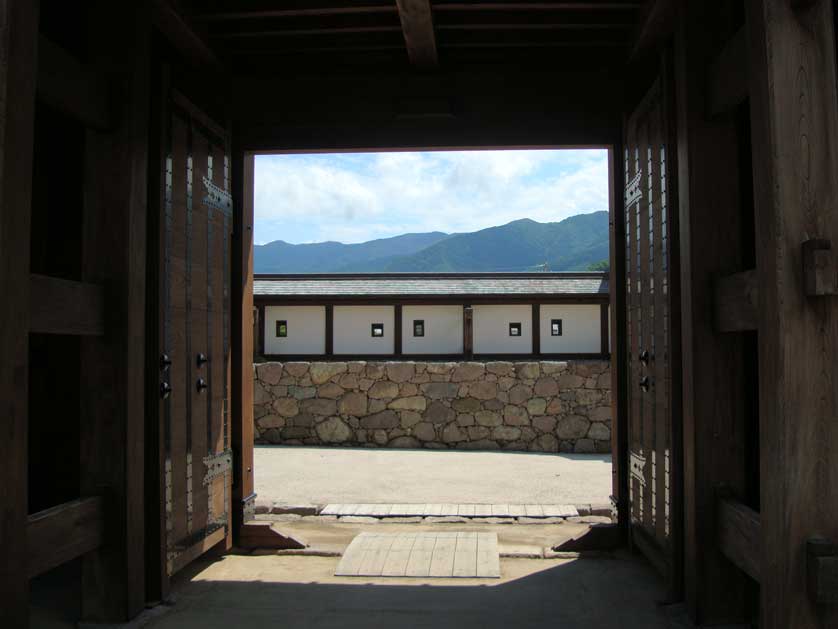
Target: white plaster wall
580,329
443,330
352,330
491,329
306,330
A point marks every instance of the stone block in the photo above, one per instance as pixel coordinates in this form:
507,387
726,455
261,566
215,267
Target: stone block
506,433
545,423
287,407
572,427
376,406
570,381
319,406
410,418
302,393
353,403
584,446
375,371
465,419
383,390
505,383
415,403
468,372
400,372
330,390
349,381
515,416
545,443
528,371
441,390
476,433
296,432
546,387
380,437
452,433
466,405
269,373
549,368
384,419
488,418
493,405
404,442
271,421
297,370
500,368
556,407
441,368
321,373
600,414
480,444
408,389
536,406
303,420
483,390
438,413
519,394
356,366
599,432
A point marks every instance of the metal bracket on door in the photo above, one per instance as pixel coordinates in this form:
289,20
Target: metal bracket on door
217,465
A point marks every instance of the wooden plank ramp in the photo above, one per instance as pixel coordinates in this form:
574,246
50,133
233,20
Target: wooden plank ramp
445,554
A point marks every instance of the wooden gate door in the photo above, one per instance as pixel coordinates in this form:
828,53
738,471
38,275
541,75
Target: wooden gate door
194,335
651,326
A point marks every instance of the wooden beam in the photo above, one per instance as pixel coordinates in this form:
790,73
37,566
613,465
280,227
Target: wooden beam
64,532
315,8
468,332
241,346
59,306
728,80
330,330
72,87
397,330
739,535
736,299
18,72
657,20
183,37
604,336
538,6
418,27
536,329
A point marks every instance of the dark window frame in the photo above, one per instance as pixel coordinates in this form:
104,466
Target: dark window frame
280,324
421,324
373,328
553,324
517,327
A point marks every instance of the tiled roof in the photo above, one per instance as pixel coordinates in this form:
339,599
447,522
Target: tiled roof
433,285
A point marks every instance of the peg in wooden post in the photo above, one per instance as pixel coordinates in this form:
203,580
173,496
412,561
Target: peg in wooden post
820,273
822,569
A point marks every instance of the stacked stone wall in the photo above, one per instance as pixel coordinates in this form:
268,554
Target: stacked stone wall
545,406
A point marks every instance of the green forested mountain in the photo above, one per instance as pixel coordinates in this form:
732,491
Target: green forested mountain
574,244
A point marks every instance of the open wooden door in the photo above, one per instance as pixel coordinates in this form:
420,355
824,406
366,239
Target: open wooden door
193,353
652,337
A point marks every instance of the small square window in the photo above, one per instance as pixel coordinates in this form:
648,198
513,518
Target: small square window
377,330
282,329
514,329
418,327
556,327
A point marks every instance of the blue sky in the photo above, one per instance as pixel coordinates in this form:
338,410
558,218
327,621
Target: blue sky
355,197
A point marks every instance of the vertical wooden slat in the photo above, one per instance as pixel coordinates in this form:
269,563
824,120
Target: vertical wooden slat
18,63
536,329
114,255
397,330
330,329
794,123
242,339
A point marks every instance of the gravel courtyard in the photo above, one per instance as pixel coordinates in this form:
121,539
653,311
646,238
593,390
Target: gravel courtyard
309,475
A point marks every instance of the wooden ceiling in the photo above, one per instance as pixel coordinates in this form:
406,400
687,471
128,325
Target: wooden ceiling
426,35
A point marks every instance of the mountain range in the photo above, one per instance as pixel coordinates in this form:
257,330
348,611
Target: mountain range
577,243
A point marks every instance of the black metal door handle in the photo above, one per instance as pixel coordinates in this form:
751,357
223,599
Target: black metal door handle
201,384
165,390
644,357
201,359
165,362
644,383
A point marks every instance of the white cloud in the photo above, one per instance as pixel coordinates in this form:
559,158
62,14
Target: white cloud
353,198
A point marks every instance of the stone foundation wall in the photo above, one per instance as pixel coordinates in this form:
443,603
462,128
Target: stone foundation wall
535,406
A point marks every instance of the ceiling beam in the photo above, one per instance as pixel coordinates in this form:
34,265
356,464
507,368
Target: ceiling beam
537,6
657,19
418,28
296,9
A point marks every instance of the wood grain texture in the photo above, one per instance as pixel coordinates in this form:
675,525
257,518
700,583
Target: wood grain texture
241,311
736,299
794,114
740,536
73,88
418,28
59,306
728,78
18,63
64,532
114,255
712,364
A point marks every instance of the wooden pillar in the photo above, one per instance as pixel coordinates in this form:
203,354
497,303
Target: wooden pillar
397,331
114,256
468,332
330,330
713,385
619,360
794,114
18,63
241,308
536,330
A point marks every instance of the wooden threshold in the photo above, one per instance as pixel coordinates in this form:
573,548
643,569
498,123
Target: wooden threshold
59,306
198,549
59,534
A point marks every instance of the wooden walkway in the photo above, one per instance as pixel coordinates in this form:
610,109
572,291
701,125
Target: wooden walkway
446,554
442,510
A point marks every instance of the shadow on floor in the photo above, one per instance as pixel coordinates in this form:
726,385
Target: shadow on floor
257,592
